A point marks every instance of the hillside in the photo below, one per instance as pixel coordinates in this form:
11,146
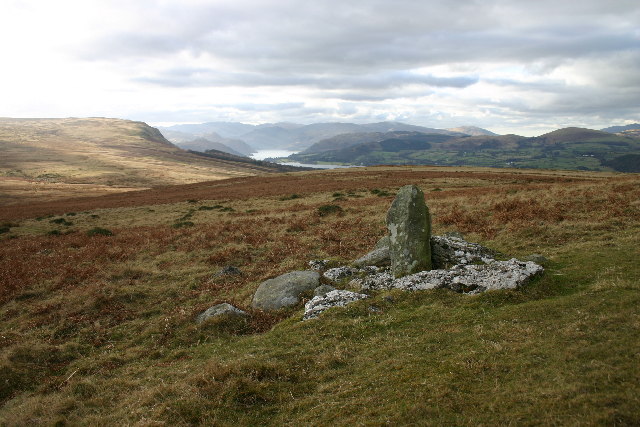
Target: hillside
288,136
570,148
99,296
66,157
204,144
472,130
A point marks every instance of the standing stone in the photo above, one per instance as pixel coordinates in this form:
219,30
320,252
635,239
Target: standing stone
409,226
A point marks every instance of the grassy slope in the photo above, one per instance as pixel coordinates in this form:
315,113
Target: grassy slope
99,330
96,156
570,148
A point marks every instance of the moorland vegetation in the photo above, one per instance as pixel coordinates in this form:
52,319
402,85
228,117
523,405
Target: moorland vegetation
99,298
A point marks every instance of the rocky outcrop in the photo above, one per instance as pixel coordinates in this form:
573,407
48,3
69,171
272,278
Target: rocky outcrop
409,227
285,290
461,278
337,298
322,290
452,249
224,309
338,274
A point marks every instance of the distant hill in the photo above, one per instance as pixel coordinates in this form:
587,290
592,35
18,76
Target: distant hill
349,139
631,133
105,152
204,144
616,129
289,136
569,148
472,130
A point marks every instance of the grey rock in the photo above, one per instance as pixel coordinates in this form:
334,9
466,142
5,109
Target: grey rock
230,271
285,290
319,264
409,225
337,298
322,290
449,250
338,274
461,278
455,234
384,242
380,257
220,310
537,258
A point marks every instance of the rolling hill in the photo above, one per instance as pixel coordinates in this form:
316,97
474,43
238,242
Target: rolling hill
98,155
569,148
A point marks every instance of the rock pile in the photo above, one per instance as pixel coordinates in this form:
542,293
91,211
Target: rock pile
409,258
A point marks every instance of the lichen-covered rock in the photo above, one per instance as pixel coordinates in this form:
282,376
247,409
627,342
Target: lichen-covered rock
322,290
319,264
379,257
409,227
451,250
285,290
224,309
338,274
461,278
384,242
230,271
337,298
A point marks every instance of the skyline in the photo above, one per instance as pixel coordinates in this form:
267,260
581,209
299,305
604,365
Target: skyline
507,66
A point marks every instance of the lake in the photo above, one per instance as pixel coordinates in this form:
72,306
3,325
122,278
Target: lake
267,154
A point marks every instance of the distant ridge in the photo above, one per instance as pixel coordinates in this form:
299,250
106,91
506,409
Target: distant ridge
568,148
617,129
472,130
286,136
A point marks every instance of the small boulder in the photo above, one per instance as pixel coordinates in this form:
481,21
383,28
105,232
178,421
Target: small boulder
322,290
338,274
379,257
337,298
224,309
319,264
409,225
537,258
230,271
285,290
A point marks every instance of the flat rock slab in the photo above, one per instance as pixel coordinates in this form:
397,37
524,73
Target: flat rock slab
285,290
409,227
450,250
461,278
224,309
379,257
337,298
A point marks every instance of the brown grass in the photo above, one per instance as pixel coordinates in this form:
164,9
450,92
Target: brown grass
119,310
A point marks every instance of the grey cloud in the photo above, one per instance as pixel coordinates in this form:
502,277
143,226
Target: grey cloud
195,77
364,50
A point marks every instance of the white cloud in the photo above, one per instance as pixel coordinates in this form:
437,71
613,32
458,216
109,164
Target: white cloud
503,64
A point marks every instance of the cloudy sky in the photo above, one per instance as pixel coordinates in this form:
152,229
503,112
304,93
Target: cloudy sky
519,66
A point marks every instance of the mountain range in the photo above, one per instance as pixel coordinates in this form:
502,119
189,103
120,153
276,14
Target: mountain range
245,138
